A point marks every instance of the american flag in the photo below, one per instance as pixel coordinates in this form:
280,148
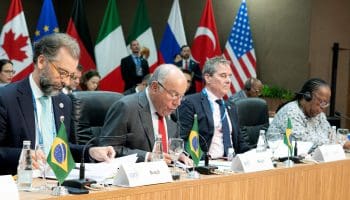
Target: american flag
240,50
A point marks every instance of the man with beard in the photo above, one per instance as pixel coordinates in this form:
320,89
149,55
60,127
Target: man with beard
31,109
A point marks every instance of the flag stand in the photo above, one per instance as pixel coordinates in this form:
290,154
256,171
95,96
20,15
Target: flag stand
289,162
59,190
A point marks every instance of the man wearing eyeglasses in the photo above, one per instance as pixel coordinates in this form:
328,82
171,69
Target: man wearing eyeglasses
252,88
306,112
31,109
6,72
143,116
217,121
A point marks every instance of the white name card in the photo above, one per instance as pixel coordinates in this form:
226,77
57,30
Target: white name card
145,173
327,153
8,189
252,162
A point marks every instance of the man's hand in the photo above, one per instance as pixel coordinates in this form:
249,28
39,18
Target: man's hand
347,145
38,157
102,153
188,161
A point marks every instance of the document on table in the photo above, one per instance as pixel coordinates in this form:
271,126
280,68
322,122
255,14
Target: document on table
102,172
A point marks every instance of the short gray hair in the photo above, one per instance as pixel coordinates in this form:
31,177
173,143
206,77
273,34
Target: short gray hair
50,44
210,66
160,74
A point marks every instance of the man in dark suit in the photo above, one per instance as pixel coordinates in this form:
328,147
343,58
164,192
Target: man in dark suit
31,108
217,122
143,116
133,67
188,64
140,86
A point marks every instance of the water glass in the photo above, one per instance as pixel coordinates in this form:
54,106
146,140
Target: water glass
274,140
176,147
41,160
342,135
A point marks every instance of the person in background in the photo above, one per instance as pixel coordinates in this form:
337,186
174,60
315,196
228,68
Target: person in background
190,65
306,112
90,81
31,109
133,67
6,72
217,122
177,58
189,78
145,115
144,53
75,83
252,88
140,86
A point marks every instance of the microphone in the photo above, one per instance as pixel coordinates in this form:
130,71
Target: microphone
82,181
206,169
340,115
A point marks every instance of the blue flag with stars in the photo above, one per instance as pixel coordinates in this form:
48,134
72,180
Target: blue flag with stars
47,23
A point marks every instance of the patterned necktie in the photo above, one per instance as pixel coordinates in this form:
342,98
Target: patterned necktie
46,124
162,132
225,127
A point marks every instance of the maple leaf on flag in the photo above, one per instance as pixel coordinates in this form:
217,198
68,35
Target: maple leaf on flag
13,46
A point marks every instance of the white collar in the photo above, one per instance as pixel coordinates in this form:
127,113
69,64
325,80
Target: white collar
37,93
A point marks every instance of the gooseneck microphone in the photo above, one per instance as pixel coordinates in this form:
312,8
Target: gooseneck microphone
340,115
82,181
206,169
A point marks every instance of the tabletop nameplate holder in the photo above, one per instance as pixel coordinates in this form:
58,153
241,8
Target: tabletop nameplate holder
252,162
327,153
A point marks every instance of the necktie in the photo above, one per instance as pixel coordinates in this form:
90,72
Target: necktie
225,127
46,124
186,64
161,130
138,66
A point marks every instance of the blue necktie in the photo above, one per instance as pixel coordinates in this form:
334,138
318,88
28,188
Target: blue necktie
138,66
46,123
225,127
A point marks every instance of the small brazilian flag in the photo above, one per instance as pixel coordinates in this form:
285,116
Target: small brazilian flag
60,158
288,135
192,145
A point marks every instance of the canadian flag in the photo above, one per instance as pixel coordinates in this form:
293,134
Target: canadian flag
15,42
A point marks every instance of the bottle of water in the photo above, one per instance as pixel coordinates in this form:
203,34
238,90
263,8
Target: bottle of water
261,145
231,154
157,153
24,169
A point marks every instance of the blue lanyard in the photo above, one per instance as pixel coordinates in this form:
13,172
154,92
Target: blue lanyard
223,115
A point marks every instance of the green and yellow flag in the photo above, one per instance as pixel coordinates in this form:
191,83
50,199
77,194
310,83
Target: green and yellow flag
60,158
287,137
192,145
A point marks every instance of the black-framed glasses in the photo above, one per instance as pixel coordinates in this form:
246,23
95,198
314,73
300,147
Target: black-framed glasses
63,73
173,94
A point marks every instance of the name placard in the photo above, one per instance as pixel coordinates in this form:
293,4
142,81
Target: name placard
145,173
327,153
252,162
8,189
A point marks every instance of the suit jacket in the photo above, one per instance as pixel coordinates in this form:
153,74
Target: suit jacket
199,104
130,91
17,123
130,119
128,68
196,74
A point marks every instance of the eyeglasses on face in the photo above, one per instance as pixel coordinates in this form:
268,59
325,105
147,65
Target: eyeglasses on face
9,72
63,73
173,94
323,103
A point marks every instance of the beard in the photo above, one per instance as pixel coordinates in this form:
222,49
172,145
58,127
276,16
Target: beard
47,86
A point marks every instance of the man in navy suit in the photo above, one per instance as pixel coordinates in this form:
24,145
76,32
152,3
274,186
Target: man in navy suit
192,66
134,67
31,109
217,122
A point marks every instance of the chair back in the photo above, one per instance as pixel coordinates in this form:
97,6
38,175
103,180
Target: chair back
89,111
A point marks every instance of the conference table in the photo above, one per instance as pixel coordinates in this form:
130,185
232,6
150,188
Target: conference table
312,181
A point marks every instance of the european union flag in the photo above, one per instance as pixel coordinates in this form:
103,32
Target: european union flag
192,145
47,23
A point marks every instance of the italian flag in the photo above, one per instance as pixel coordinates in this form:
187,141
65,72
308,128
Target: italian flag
142,32
110,49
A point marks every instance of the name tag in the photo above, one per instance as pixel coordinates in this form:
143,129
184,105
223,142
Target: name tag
252,162
145,173
327,153
8,188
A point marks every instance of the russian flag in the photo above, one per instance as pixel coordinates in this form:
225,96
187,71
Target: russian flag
174,35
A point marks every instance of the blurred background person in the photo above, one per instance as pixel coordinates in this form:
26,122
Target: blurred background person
252,88
140,86
90,80
6,72
144,53
75,83
189,78
177,58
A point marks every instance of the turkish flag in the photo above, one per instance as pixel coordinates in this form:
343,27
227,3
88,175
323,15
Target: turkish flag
78,29
15,42
206,41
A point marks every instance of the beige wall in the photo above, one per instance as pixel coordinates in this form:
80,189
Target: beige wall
292,38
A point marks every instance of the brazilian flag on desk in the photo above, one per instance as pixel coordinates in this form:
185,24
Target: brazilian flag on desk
60,158
192,145
288,136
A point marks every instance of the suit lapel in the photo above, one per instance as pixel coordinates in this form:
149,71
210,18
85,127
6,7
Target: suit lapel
25,101
57,111
207,110
146,118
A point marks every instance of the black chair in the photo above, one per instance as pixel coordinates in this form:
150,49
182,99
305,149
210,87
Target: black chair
253,116
89,111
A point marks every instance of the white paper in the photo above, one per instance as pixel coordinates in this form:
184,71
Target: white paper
8,189
102,172
303,148
221,164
